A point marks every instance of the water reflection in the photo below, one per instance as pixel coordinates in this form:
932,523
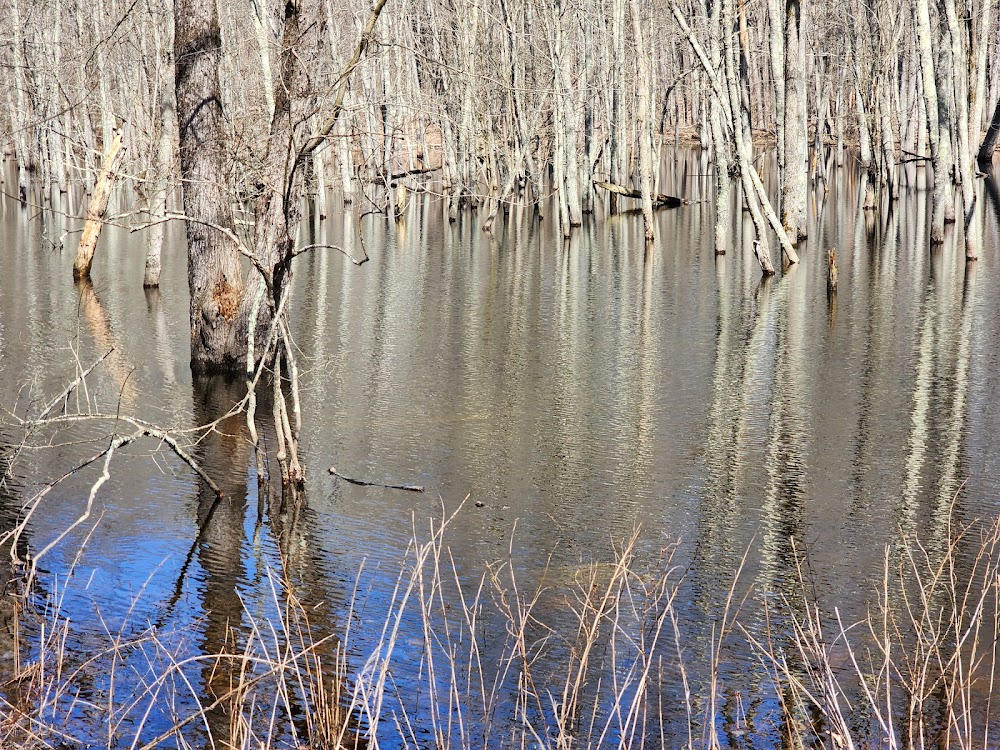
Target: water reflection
93,314
577,389
221,553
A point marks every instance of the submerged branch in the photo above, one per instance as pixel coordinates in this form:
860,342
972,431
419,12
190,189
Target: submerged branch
365,483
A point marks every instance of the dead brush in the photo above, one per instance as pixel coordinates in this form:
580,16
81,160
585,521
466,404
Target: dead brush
917,672
576,657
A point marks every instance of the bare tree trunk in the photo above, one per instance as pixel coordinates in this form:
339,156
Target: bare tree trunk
721,151
978,43
21,116
161,184
840,124
262,33
726,90
98,208
585,103
643,123
345,160
864,138
943,75
960,93
55,128
616,125
822,114
761,247
889,177
795,183
570,133
939,149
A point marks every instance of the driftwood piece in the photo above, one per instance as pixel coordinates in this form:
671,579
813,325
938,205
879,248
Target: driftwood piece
98,207
659,200
364,483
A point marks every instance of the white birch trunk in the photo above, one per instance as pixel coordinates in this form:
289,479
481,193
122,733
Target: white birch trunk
720,145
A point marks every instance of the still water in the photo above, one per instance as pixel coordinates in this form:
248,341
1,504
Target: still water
574,391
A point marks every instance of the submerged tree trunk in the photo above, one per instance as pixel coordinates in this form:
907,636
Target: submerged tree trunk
215,280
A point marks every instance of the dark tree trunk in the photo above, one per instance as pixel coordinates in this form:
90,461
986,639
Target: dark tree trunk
985,156
214,275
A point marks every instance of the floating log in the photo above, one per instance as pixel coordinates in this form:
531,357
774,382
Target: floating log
659,200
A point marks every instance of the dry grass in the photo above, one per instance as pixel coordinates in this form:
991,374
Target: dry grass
598,656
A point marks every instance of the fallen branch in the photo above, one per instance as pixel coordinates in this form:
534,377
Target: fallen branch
916,157
363,483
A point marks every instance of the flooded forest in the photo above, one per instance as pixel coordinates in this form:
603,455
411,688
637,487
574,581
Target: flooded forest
499,374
